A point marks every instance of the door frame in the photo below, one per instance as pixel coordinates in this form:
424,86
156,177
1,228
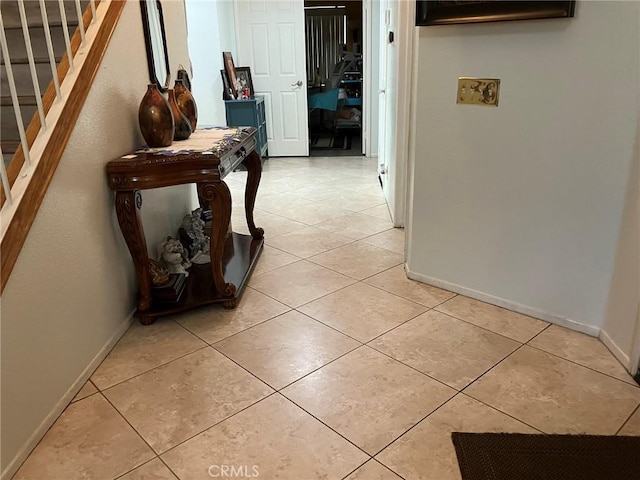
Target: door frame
404,36
398,166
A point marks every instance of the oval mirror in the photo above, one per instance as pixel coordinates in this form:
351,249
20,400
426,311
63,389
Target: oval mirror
156,43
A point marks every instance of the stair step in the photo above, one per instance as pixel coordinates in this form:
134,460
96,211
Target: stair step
9,146
11,14
17,48
22,77
22,100
8,126
25,60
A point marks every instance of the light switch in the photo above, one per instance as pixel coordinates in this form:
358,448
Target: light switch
478,91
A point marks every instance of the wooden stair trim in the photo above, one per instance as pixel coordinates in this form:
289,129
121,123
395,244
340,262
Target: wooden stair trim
26,211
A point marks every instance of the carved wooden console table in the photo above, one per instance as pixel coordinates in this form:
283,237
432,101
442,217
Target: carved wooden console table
204,159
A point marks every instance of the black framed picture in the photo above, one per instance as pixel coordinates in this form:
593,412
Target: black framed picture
476,11
243,74
227,92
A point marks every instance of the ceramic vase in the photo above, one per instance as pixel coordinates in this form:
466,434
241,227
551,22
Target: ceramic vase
186,103
155,118
183,126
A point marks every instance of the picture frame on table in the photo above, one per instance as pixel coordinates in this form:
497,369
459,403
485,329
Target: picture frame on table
227,92
227,60
243,74
430,13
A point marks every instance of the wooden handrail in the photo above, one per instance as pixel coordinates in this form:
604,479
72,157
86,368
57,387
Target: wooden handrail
25,213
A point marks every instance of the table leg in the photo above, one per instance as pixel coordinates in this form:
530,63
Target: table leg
253,162
218,197
127,208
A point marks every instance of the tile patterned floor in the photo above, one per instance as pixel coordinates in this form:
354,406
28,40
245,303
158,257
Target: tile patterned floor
333,366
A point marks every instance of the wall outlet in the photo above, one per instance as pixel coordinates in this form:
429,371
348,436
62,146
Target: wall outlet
478,91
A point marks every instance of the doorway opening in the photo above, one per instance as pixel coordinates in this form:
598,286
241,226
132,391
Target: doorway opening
334,58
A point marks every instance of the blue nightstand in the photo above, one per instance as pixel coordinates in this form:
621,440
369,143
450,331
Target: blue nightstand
249,113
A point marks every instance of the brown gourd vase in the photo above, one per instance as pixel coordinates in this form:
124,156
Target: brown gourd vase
186,103
155,118
183,126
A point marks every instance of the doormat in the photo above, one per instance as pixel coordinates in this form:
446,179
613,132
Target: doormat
511,456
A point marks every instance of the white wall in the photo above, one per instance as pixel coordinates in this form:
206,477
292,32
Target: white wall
621,329
72,290
211,31
523,203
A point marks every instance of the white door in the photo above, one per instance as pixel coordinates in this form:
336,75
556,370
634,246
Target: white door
270,39
386,139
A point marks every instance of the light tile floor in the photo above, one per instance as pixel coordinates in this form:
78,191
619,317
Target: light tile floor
334,365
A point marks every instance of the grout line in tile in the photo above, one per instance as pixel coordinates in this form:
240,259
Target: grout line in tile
637,409
584,366
393,328
330,293
319,253
205,429
412,427
251,327
481,328
157,366
325,424
156,454
502,335
243,368
504,413
330,326
168,467
424,373
398,295
138,466
489,369
495,408
321,367
341,273
405,298
277,268
372,459
412,368
537,334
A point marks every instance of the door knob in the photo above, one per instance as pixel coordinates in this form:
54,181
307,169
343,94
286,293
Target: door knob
297,84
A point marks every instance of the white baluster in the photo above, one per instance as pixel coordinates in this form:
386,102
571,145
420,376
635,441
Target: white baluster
52,58
93,10
32,64
80,22
65,32
14,94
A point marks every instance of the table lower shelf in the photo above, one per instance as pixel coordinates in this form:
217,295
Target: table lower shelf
240,255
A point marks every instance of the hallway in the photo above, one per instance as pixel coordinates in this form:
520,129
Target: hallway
334,365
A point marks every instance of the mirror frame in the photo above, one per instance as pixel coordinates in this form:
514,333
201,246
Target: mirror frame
152,61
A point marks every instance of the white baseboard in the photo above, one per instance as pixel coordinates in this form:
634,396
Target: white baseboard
504,303
617,352
66,399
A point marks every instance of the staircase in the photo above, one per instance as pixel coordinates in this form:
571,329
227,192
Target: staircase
63,71
9,136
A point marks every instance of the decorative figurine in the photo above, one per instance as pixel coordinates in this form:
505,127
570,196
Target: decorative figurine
199,243
173,256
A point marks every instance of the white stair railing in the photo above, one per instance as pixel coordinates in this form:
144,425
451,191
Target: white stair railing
14,189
